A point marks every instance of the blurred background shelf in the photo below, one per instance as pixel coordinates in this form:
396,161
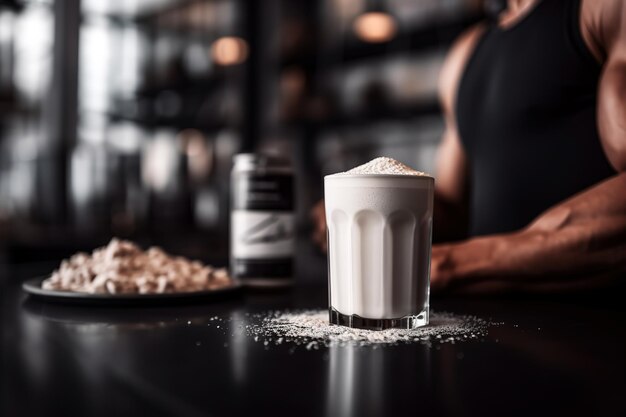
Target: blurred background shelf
121,117
435,34
391,113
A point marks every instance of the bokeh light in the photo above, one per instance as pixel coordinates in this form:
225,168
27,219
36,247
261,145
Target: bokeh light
229,50
375,27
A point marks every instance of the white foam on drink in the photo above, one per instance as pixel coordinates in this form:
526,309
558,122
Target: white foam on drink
382,166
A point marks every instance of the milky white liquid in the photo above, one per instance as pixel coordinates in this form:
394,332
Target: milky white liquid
379,236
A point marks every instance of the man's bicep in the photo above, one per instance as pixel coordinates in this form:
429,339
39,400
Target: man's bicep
612,111
612,89
451,169
451,164
451,186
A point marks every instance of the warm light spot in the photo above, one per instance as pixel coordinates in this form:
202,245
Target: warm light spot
375,27
229,50
199,153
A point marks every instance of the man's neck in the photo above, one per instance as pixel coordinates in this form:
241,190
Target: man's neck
518,5
515,10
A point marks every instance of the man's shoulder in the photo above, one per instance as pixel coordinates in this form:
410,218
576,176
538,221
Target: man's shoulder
455,62
603,23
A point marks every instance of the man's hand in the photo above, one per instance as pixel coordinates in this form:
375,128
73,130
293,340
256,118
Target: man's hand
318,215
457,267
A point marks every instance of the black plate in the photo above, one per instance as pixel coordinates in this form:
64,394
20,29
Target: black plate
33,288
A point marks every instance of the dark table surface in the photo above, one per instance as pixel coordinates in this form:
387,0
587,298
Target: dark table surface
548,356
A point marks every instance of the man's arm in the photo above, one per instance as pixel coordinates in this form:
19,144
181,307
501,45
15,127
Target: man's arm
580,242
451,171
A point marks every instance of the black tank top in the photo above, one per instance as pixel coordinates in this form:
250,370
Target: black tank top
526,114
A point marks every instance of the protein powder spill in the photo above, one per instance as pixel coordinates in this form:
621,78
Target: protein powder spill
311,329
123,268
382,166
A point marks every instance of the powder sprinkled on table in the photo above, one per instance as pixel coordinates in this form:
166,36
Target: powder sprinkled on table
312,329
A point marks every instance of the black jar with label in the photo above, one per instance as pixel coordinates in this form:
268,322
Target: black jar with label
262,223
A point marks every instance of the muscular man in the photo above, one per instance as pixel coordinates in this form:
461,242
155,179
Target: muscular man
532,165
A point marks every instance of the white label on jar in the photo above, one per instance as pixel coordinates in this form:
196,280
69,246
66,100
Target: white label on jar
262,234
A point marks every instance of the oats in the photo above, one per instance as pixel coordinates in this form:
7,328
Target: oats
123,268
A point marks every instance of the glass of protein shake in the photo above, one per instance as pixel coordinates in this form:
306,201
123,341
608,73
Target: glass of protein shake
379,219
